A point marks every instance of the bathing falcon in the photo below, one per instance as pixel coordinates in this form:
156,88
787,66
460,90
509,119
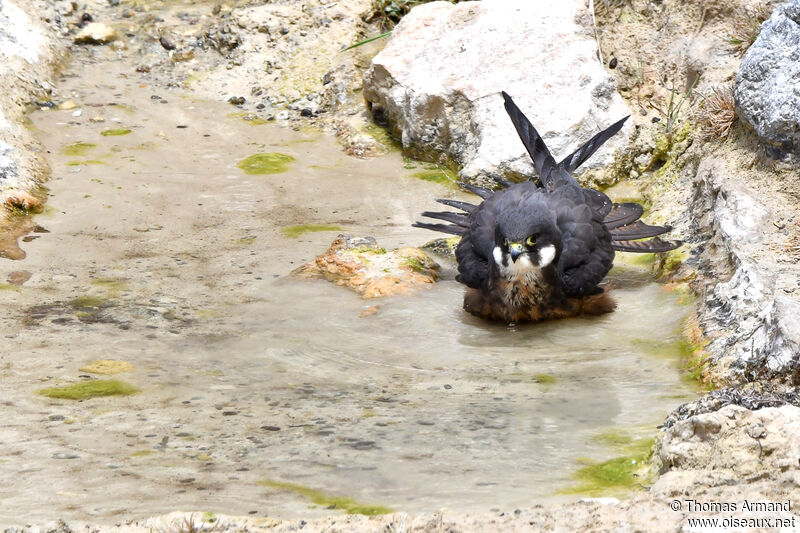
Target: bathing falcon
532,252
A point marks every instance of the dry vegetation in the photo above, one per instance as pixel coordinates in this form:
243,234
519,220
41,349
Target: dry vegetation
746,27
717,113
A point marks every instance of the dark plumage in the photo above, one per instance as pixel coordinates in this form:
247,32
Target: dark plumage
530,252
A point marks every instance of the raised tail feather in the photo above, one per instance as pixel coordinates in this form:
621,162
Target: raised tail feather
576,158
543,162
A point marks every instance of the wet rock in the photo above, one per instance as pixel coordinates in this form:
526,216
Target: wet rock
361,265
765,98
96,33
16,199
166,43
749,305
437,84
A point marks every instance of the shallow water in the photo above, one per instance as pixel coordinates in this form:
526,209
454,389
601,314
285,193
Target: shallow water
247,374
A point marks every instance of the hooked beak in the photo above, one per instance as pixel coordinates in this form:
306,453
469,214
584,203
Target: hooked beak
515,249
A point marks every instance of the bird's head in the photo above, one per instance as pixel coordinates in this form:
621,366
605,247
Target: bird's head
525,240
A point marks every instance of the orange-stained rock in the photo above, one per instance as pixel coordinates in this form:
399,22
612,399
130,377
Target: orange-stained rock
361,265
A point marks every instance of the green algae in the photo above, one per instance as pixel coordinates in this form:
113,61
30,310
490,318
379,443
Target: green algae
112,286
107,367
439,174
90,389
86,301
628,471
244,241
266,163
383,136
348,505
143,453
415,265
114,132
293,232
77,149
9,287
250,118
544,379
86,162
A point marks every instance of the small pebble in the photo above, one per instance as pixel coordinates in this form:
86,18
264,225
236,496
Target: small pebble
613,63
236,100
306,112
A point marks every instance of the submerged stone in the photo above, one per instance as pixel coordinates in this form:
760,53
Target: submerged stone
361,265
266,163
90,389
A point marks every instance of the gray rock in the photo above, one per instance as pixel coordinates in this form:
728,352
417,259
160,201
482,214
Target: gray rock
767,93
438,80
749,305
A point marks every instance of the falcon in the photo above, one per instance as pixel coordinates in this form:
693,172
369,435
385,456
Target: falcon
538,251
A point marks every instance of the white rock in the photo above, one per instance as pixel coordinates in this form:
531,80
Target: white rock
438,83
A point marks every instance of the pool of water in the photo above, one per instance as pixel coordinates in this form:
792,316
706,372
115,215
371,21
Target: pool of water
156,249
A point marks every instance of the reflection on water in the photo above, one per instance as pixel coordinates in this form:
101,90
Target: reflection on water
249,375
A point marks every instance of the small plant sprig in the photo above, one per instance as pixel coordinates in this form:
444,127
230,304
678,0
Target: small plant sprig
673,110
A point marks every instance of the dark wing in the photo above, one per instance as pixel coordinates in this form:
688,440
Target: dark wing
648,246
599,202
475,248
442,228
576,158
459,221
625,227
464,206
543,162
586,252
622,214
637,230
480,191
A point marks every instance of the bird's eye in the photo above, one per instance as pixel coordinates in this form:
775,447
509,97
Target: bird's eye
531,241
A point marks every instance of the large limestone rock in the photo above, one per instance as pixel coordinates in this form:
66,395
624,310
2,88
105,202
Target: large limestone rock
767,94
750,297
27,50
437,83
735,443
